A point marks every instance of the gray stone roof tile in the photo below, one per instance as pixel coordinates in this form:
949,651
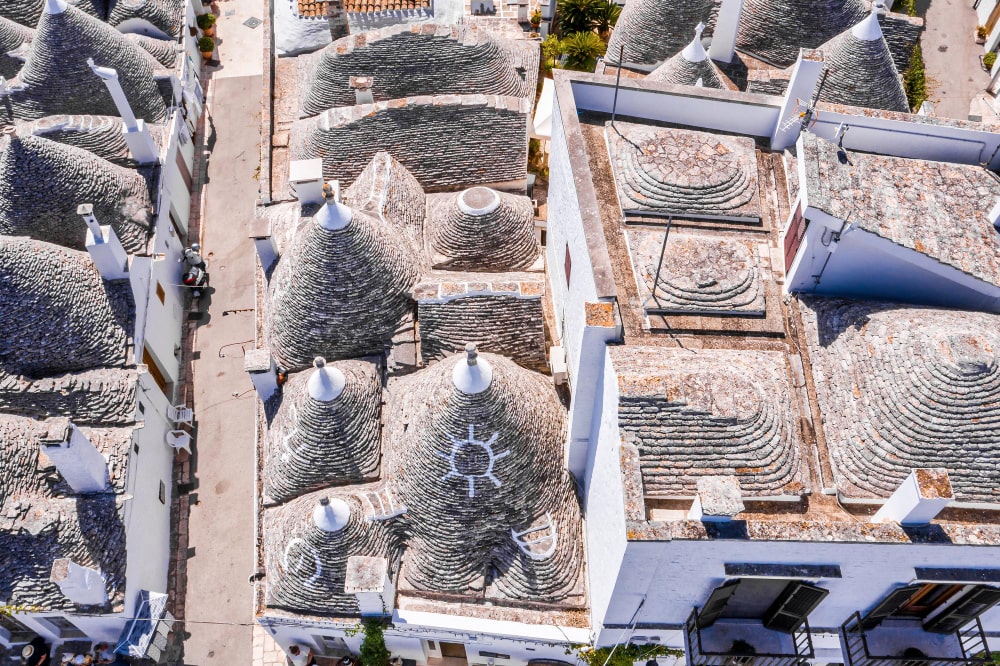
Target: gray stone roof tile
101,135
775,30
56,79
709,412
42,183
164,50
12,37
27,12
385,188
165,15
902,387
653,30
101,396
408,60
936,208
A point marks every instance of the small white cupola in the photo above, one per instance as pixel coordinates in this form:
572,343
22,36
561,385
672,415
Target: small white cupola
81,585
77,459
868,30
695,51
331,515
473,374
334,215
326,382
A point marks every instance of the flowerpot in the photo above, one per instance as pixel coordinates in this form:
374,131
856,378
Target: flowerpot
536,26
209,31
980,40
207,55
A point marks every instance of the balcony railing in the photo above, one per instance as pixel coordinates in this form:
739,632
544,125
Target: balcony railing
866,647
703,649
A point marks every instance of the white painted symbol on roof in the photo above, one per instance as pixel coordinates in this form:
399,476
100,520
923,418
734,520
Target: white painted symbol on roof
287,454
472,458
295,560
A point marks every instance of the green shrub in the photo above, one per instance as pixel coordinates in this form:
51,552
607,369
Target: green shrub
623,655
552,48
908,7
206,44
990,59
582,51
206,21
576,15
373,649
914,79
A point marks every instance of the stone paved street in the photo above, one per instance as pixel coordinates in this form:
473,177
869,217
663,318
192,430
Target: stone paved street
951,58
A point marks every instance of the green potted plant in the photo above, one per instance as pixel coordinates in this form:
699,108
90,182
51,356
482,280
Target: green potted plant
989,60
207,23
207,46
981,34
536,19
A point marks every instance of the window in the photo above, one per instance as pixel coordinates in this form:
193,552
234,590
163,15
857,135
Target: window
62,627
163,493
493,655
160,294
13,631
568,264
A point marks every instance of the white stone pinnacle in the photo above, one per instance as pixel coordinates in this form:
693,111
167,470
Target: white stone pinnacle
695,52
868,30
54,6
332,515
326,383
473,375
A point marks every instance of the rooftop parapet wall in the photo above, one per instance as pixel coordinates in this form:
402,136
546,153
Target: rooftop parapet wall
445,141
409,60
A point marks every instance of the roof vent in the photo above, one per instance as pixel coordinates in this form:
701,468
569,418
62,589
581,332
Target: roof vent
326,383
474,375
332,515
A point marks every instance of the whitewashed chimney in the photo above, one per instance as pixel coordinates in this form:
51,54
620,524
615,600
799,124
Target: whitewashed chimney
919,498
368,580
726,26
334,216
102,243
472,374
260,365
140,141
305,178
77,459
81,585
719,498
363,89
263,242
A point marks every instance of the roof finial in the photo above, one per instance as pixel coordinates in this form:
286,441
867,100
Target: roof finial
868,30
326,383
695,52
331,515
474,375
334,215
54,6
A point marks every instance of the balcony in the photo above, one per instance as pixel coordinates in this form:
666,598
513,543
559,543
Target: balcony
744,642
904,642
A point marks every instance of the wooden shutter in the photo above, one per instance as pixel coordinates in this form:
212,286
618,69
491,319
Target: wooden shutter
716,603
975,602
893,602
793,606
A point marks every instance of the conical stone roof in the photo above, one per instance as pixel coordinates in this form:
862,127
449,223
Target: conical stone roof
165,15
27,12
307,543
482,229
12,36
42,183
690,66
56,312
479,467
653,30
56,78
775,30
860,70
326,431
341,289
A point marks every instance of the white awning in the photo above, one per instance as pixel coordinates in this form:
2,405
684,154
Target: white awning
541,127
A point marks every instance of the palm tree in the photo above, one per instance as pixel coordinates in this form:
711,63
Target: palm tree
582,50
605,16
576,15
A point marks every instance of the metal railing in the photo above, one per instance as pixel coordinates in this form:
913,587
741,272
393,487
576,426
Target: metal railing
697,655
971,638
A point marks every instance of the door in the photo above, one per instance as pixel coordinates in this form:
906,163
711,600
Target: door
716,603
453,650
792,608
975,602
927,599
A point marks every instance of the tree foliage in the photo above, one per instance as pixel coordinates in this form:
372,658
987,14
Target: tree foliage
576,15
373,649
552,48
582,51
914,79
605,17
623,655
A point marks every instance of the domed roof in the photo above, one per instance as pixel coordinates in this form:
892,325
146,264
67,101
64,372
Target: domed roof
57,79
326,431
101,135
341,288
307,543
690,66
165,15
775,30
42,183
482,229
653,30
27,12
12,36
410,60
56,312
860,70
479,465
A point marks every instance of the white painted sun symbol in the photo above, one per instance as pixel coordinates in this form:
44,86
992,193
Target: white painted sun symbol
472,459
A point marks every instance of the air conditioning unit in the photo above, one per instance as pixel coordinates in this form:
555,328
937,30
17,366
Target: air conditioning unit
557,363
